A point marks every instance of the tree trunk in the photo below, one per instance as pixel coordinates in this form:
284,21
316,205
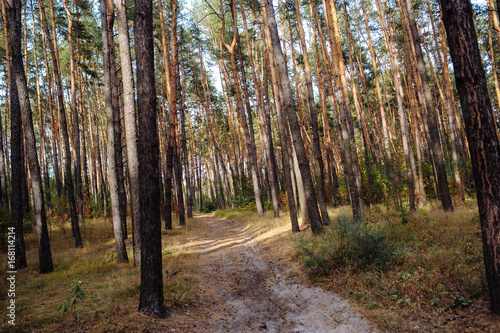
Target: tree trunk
151,294
130,124
320,181
16,197
14,24
484,146
112,172
435,144
74,112
250,141
68,179
289,108
263,108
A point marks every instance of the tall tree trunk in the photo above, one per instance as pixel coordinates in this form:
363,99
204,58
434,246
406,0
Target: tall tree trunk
174,70
184,152
151,295
350,157
16,197
53,125
263,108
289,108
41,115
250,141
68,179
112,172
320,181
284,139
14,23
115,101
76,118
130,124
403,118
484,146
435,144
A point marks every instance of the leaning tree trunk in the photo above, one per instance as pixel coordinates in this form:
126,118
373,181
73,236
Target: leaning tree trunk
484,146
289,108
14,24
314,121
151,292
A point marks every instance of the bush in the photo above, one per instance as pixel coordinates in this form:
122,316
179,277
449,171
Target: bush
362,245
208,206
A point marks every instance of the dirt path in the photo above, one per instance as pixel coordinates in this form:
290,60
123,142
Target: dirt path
240,291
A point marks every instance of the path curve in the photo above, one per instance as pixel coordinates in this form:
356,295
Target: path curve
242,292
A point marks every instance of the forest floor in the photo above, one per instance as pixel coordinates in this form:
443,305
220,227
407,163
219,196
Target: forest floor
236,272
245,288
220,275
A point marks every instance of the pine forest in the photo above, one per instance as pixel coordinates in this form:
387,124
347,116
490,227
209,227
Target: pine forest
250,165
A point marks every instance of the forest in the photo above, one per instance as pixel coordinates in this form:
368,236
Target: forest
250,166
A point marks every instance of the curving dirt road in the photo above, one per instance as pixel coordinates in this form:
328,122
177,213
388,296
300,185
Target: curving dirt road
242,292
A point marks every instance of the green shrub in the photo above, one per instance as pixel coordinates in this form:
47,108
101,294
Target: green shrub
208,206
362,245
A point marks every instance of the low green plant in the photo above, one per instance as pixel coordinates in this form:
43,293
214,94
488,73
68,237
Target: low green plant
363,245
76,293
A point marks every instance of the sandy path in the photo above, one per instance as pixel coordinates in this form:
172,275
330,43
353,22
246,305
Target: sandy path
240,292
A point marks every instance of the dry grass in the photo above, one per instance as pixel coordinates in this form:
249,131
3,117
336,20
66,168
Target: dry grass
111,289
436,285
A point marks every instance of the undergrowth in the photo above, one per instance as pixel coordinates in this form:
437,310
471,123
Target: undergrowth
110,293
400,265
363,245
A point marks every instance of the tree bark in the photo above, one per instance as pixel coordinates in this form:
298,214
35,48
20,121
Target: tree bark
151,294
320,181
68,179
112,167
484,146
14,24
130,124
435,144
76,120
289,108
16,197
250,141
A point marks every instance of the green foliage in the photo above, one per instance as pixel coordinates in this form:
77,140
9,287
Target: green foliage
362,245
76,293
208,205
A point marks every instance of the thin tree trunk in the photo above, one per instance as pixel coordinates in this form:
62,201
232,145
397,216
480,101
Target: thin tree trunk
403,118
250,142
112,172
115,101
289,108
68,179
130,124
435,144
76,118
320,181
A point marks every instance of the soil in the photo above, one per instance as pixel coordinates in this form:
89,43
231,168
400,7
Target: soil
244,288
